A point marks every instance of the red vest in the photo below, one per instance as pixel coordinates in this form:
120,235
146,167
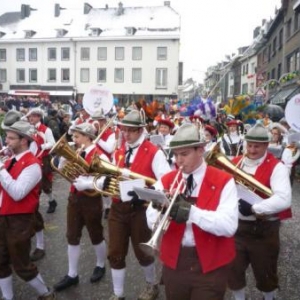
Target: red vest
95,151
30,202
105,137
142,163
213,251
39,140
263,175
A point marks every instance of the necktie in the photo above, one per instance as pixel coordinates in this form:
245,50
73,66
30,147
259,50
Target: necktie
82,154
189,186
11,164
128,154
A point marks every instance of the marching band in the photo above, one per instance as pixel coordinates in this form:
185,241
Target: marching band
207,222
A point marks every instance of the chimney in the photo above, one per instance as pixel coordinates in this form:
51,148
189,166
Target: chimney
120,10
167,3
86,8
56,10
263,22
256,32
106,6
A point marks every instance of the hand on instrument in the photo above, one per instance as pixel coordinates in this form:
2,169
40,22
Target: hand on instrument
106,183
82,183
135,199
245,208
180,210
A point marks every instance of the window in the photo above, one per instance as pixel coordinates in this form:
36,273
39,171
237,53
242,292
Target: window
161,53
297,62
33,54
119,53
84,75
2,54
3,75
136,75
252,68
245,88
274,46
20,75
296,21
102,53
32,75
231,90
136,53
52,75
101,75
65,75
288,28
269,52
51,53
278,71
161,78
65,53
85,53
280,38
290,63
20,54
273,73
265,55
119,75
252,88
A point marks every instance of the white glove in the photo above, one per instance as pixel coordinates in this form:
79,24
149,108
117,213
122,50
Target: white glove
43,146
1,165
82,183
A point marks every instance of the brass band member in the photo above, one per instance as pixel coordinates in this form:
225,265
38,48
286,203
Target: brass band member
127,220
198,246
83,211
257,237
19,193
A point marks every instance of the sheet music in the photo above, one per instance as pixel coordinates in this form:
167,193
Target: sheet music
129,185
247,195
158,197
157,139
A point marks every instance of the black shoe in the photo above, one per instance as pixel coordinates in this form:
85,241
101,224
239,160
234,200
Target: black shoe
52,207
98,273
37,254
106,212
66,282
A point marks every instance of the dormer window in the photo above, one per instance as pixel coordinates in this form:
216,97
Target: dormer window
29,34
95,31
61,32
130,30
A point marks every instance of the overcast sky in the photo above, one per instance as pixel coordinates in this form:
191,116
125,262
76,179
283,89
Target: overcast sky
209,29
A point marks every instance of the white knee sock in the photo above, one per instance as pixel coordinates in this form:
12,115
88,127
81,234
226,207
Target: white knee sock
269,295
39,235
118,278
6,287
150,274
100,250
239,294
106,202
73,258
39,285
50,197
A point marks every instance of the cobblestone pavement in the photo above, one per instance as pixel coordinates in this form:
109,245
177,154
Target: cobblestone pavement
55,264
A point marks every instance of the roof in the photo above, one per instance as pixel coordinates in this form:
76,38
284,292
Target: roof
146,21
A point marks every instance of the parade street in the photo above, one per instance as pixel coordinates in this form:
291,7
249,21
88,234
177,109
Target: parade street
55,264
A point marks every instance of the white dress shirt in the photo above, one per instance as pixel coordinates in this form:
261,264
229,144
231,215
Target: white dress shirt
20,187
221,222
48,137
108,145
280,186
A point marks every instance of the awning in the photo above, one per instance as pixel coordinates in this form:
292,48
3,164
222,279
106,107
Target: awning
27,92
60,93
281,96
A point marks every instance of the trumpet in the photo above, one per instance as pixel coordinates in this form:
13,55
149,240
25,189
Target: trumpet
109,123
153,244
6,156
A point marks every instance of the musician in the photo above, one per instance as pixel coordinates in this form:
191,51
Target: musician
107,144
232,140
19,194
276,146
198,246
127,220
84,210
210,137
45,141
165,128
257,237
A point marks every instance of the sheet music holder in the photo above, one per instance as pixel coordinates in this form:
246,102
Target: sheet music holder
157,197
157,140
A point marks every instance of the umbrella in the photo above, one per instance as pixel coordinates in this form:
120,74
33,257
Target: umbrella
275,112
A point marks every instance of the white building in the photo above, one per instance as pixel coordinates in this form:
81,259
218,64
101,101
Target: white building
134,51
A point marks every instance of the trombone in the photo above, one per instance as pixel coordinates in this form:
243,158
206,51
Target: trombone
108,124
152,245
